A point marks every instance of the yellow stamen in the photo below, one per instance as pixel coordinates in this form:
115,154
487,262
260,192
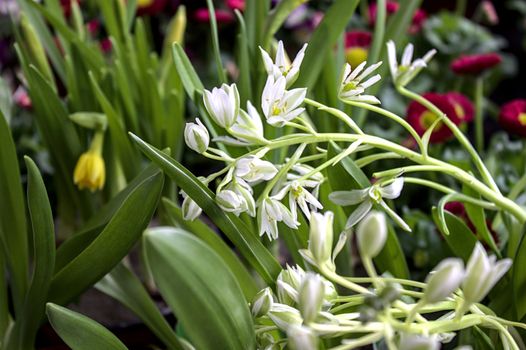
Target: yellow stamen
144,3
356,55
459,110
427,119
522,118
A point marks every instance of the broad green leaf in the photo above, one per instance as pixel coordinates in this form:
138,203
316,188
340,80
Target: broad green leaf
324,37
127,288
392,257
111,245
81,332
74,245
519,279
214,241
460,238
13,229
199,288
42,224
236,230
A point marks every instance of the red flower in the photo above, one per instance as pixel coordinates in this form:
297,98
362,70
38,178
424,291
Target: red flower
150,7
475,64
421,118
392,7
66,7
357,45
22,99
458,209
236,4
222,16
105,45
513,117
463,107
93,26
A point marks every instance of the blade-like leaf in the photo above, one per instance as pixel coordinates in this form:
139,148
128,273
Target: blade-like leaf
13,230
460,238
199,288
214,241
236,230
81,332
113,243
519,279
124,286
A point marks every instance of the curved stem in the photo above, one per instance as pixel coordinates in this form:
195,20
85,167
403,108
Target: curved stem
479,114
337,113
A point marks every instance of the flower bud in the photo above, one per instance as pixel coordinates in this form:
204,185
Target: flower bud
418,342
196,136
253,169
301,338
288,284
444,280
310,296
284,316
321,236
222,104
262,303
231,202
371,234
189,208
482,273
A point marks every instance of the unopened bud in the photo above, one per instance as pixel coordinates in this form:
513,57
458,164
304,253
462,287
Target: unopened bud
262,303
284,316
321,236
311,295
372,234
196,136
301,338
444,280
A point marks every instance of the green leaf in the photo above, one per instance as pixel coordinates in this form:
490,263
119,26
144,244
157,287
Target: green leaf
43,258
191,82
81,332
214,241
199,288
519,279
124,286
13,230
460,238
236,230
111,245
276,18
392,257
324,37
74,245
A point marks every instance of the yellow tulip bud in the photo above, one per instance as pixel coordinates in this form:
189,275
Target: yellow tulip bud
90,171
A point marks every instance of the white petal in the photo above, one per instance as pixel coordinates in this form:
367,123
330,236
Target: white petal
394,189
369,70
267,61
391,57
281,60
345,198
373,80
357,70
407,56
359,213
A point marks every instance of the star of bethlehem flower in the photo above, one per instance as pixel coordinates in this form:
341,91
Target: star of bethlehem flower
222,104
281,66
252,169
279,105
270,212
246,130
300,196
236,197
367,197
408,69
352,87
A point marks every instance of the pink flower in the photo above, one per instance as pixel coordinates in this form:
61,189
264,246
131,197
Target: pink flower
357,45
222,16
475,64
93,26
105,45
512,117
464,109
150,7
22,99
236,4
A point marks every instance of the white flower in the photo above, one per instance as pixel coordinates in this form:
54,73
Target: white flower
352,87
319,249
196,136
222,104
405,72
482,273
253,169
299,196
371,234
310,296
262,302
248,125
367,197
280,105
270,212
444,280
189,208
302,338
418,342
284,316
281,66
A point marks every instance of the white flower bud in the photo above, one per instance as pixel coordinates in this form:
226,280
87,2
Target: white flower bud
262,303
189,208
253,169
288,283
321,236
284,316
371,234
311,295
444,280
418,342
231,202
301,338
196,136
222,104
482,273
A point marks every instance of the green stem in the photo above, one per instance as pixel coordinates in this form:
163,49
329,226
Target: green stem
215,42
479,114
336,113
334,277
